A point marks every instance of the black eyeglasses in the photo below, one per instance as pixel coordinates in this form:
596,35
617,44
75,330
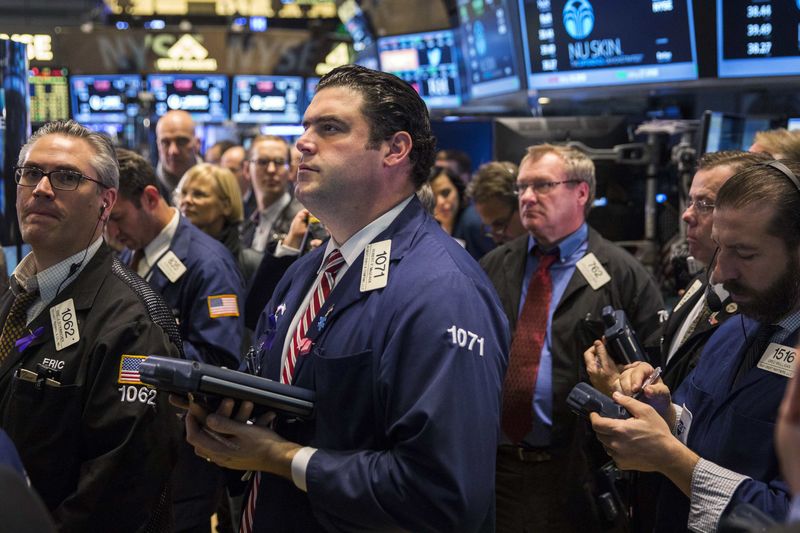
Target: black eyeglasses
62,180
265,161
540,187
498,227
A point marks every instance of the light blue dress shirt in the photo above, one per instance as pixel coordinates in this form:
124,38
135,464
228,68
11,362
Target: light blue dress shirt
571,249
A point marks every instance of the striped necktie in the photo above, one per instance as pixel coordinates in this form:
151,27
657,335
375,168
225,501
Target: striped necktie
298,346
15,322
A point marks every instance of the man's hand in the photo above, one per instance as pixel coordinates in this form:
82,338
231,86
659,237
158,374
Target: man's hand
787,434
603,372
297,229
645,443
228,440
656,394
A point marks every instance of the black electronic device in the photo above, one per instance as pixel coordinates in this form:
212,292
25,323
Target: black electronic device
584,399
49,94
214,383
267,99
204,96
621,341
488,39
729,131
428,62
105,98
757,38
583,43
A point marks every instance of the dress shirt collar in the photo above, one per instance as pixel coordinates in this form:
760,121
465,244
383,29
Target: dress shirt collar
49,279
158,246
356,244
568,245
271,213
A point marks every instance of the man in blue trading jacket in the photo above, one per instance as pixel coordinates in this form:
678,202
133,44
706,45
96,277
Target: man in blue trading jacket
199,279
97,444
406,356
716,441
548,461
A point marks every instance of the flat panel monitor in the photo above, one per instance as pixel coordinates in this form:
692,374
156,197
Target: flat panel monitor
49,94
104,98
368,57
356,23
793,124
267,99
487,41
728,131
583,43
758,38
428,61
204,96
311,89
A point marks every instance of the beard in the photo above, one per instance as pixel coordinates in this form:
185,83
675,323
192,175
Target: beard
776,301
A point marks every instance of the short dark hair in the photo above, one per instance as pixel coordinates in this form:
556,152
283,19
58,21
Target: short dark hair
389,105
495,179
135,173
763,185
462,159
735,159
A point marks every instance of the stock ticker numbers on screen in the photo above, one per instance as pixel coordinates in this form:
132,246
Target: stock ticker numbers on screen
488,44
758,37
104,98
581,43
428,61
205,97
49,94
267,99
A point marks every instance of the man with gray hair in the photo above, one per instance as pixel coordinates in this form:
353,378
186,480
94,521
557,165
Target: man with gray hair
97,444
553,284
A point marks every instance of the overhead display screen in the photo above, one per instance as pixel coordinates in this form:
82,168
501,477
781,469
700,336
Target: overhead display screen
583,43
758,38
49,94
204,96
105,98
487,41
267,99
428,61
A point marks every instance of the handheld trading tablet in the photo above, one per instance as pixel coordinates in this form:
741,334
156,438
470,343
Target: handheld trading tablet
215,383
585,399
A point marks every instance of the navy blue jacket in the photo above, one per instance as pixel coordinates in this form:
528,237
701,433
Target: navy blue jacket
408,381
732,427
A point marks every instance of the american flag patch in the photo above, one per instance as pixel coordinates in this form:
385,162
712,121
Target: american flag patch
223,305
129,369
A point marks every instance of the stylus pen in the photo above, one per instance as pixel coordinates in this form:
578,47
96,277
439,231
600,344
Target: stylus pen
649,381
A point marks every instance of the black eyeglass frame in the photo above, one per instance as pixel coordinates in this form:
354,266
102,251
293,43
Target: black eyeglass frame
18,176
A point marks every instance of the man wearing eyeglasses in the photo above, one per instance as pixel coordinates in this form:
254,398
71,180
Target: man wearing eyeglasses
495,199
553,283
97,444
267,168
178,149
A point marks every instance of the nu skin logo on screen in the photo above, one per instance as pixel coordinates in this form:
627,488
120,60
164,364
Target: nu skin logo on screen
579,19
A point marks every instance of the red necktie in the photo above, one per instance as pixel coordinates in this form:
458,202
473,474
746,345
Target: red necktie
298,346
526,351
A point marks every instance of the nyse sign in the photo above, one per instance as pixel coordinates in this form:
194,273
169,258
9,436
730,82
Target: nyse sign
141,51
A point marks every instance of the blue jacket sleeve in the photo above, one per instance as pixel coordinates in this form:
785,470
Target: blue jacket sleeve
438,376
773,497
212,336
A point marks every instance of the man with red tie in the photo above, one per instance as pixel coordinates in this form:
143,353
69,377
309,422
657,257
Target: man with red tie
553,284
391,323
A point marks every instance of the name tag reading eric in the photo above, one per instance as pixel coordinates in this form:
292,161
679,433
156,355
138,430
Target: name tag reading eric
65,324
375,272
593,271
171,266
778,359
